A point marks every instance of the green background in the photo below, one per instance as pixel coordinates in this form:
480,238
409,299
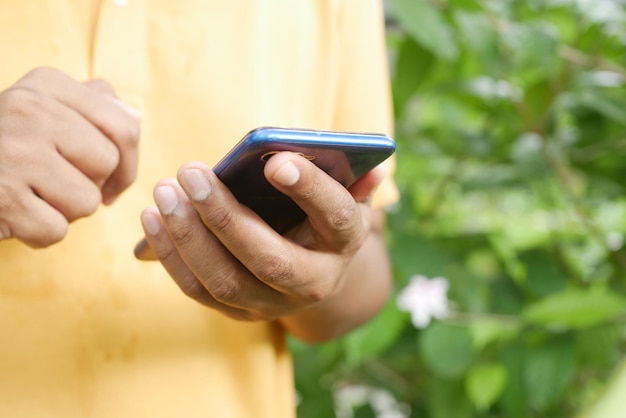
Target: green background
511,133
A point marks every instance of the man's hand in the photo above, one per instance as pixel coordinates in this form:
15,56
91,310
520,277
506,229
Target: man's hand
65,147
223,255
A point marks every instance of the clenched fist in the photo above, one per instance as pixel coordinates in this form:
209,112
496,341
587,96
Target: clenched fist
65,148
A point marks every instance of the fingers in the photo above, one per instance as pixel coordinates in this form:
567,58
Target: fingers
157,237
70,192
31,220
332,211
71,136
126,170
199,263
254,243
65,147
363,188
280,263
202,234
36,206
117,122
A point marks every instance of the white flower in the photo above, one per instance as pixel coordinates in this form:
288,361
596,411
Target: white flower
383,403
424,299
615,241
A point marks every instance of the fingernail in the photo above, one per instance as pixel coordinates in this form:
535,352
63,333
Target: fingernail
150,223
287,175
196,183
166,199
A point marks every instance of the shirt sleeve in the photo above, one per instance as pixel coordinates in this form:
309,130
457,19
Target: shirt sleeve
363,102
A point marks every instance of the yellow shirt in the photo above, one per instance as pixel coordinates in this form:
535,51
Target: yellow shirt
85,329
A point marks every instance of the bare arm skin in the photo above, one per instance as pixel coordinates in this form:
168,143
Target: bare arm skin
65,148
323,278
366,287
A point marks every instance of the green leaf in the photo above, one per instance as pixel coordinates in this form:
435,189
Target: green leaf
413,254
505,251
599,346
446,349
446,399
425,23
365,411
486,330
312,365
534,49
537,101
375,336
412,68
484,264
576,308
544,274
478,35
605,105
485,383
472,5
548,369
514,400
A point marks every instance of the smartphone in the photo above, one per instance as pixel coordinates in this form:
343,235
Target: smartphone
344,156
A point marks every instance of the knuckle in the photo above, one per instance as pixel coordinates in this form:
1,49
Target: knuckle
274,268
220,218
182,234
90,200
226,291
124,135
109,159
20,102
101,85
46,234
126,132
194,290
165,255
42,234
318,292
42,73
342,219
349,229
129,135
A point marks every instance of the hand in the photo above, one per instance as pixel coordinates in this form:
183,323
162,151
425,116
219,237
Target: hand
65,147
223,255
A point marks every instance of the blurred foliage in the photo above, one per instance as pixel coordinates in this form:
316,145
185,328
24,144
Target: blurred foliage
511,132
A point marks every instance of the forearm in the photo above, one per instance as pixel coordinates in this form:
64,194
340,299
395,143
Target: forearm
364,290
